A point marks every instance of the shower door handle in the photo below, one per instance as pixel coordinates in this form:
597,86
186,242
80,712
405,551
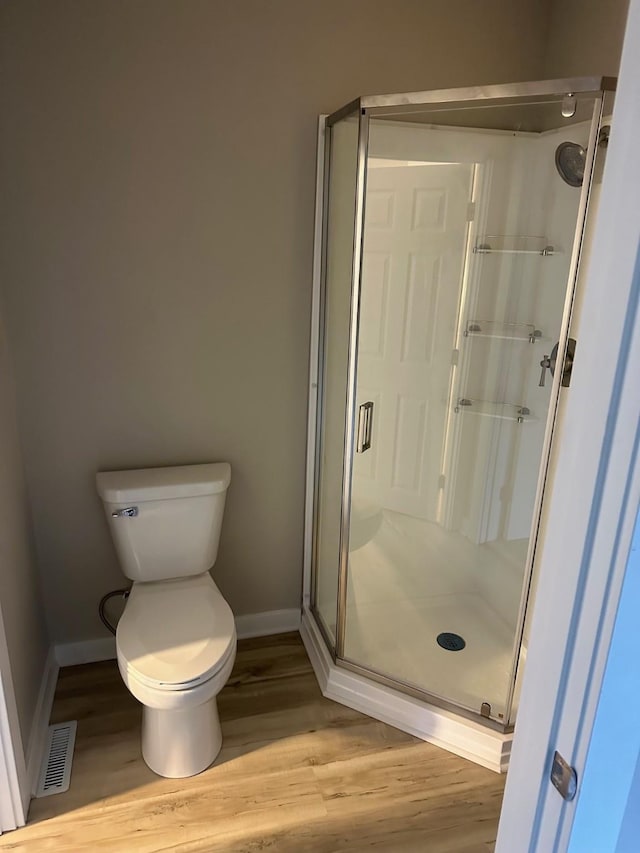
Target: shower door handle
365,425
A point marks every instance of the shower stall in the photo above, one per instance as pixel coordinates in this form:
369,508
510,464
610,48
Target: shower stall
452,227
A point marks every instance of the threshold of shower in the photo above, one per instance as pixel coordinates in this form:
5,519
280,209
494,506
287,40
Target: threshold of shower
451,731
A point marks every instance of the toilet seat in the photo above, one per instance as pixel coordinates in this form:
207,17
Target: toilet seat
175,635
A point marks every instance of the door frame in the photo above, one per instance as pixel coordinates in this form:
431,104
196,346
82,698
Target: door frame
314,352
592,503
14,786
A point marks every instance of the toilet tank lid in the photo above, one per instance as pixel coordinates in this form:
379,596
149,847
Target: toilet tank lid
158,484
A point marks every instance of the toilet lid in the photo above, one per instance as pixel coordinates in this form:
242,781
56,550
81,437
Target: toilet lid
175,634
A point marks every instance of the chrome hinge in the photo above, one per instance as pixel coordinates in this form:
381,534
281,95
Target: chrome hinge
564,777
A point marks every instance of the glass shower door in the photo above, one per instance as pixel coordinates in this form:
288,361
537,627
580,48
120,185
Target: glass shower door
468,240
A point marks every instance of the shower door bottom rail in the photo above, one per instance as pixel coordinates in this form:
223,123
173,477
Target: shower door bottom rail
476,715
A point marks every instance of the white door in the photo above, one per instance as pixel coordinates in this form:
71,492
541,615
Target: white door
586,535
415,232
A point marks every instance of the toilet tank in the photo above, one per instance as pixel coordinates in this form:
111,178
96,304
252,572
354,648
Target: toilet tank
165,522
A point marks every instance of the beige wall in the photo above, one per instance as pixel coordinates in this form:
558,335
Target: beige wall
21,610
157,241
585,37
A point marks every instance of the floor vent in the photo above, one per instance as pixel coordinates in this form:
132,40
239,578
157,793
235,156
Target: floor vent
58,757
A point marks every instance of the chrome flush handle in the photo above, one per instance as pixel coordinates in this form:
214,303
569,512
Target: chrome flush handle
127,512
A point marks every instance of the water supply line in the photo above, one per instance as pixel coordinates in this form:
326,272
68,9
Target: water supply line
101,607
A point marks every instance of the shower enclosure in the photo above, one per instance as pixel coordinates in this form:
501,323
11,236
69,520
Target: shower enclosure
453,229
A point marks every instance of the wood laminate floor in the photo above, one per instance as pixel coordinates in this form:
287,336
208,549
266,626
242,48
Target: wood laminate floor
297,774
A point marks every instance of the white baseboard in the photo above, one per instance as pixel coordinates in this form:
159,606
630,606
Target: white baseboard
40,723
86,651
249,625
445,729
267,623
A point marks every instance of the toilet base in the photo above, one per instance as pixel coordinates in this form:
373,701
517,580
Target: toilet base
181,742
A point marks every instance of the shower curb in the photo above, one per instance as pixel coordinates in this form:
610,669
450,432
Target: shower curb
442,728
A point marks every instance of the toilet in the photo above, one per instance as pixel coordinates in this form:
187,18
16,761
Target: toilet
176,639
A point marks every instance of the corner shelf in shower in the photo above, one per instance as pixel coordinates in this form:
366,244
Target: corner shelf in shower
492,409
494,244
502,331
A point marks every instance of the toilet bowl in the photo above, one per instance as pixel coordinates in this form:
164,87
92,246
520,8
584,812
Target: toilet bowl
176,645
176,639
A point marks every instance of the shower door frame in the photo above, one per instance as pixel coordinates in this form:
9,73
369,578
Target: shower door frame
510,94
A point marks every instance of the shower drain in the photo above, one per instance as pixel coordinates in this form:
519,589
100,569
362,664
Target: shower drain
451,642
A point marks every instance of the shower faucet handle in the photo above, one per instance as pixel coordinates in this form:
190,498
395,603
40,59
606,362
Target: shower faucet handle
551,361
545,364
